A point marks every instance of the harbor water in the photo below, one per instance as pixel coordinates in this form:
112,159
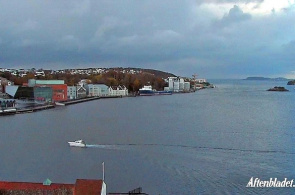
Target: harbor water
209,142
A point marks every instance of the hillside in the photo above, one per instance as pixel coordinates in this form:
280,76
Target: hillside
132,78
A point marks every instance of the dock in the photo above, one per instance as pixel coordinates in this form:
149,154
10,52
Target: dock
77,101
34,109
12,111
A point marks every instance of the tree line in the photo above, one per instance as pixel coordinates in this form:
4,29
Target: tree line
111,78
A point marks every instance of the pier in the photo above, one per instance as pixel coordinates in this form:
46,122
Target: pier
34,109
77,101
13,110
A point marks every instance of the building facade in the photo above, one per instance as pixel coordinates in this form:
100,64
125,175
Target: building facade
59,92
97,90
201,80
59,89
39,94
43,94
81,92
176,84
20,92
72,92
120,90
187,86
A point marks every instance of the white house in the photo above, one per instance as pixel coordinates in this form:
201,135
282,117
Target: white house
72,92
201,80
81,92
120,90
97,90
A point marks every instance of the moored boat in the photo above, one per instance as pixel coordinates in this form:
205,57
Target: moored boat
146,91
59,104
163,93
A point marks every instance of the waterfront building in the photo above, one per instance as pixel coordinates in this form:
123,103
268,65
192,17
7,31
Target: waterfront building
6,103
72,92
120,90
34,82
59,88
81,187
187,86
43,93
81,92
40,94
20,92
201,80
176,84
97,90
59,92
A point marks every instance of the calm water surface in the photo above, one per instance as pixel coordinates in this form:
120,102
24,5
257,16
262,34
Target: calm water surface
209,142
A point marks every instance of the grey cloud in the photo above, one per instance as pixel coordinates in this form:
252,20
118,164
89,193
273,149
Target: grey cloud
235,15
176,36
229,1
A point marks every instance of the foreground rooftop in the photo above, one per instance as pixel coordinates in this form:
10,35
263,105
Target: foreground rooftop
81,187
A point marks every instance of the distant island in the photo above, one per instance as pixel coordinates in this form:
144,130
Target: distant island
291,82
278,89
267,79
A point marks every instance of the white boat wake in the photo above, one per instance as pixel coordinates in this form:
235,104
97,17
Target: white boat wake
101,146
132,146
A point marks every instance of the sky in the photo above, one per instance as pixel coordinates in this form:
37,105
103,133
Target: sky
212,38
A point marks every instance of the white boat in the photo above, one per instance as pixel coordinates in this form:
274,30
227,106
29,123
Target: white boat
78,143
59,104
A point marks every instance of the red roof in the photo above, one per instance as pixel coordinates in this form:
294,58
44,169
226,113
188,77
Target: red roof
87,186
33,186
82,187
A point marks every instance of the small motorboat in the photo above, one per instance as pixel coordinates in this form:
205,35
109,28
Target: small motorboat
78,143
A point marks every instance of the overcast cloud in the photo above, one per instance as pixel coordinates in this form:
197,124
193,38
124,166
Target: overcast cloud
213,38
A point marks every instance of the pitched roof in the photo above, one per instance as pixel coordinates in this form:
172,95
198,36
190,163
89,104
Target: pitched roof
4,185
81,89
82,187
87,186
120,87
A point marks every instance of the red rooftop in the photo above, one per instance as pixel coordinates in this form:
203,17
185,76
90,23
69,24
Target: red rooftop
81,187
